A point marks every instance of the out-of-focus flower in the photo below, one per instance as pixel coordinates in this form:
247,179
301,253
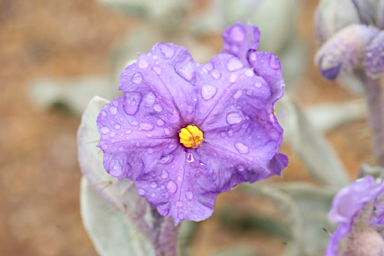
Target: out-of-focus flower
359,211
348,32
185,132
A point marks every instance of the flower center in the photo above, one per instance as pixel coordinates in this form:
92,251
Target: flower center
191,136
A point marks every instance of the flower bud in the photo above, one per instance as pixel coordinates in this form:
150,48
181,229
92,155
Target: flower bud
345,51
334,15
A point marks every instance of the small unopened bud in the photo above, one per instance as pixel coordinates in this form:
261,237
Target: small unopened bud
345,51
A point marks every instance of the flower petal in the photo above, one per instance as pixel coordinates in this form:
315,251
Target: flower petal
239,38
168,74
267,65
132,142
231,97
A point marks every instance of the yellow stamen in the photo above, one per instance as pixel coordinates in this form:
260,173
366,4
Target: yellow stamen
274,110
191,137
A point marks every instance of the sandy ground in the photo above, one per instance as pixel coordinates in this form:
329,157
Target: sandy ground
39,174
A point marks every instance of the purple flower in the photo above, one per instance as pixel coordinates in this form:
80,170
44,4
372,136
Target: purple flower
185,132
359,211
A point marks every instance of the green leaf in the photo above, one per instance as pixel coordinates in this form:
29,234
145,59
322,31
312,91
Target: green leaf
111,231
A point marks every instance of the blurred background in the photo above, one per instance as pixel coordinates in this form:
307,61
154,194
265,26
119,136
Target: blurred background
75,39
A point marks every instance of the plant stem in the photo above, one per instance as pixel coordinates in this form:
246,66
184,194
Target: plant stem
168,238
375,107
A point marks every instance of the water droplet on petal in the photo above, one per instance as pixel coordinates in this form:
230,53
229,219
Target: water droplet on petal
150,150
153,184
166,131
143,63
208,91
234,48
233,78
150,99
208,66
190,158
104,147
253,56
117,126
274,62
189,195
237,94
230,133
171,186
249,73
240,168
258,84
132,102
128,131
166,160
116,170
215,74
103,113
157,108
167,51
164,174
234,118
157,70
179,204
160,122
234,64
237,33
113,110
187,71
137,78
112,134
241,148
141,191
179,178
105,130
146,126
189,109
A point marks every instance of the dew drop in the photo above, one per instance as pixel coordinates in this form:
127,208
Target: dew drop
116,170
208,91
189,109
149,135
258,84
237,94
274,62
179,204
146,126
215,74
141,191
157,108
240,168
112,134
157,70
222,134
150,150
171,186
237,33
234,118
160,122
103,113
137,78
105,130
179,178
117,126
235,49
190,158
230,133
189,195
164,174
208,66
166,131
233,78
187,71
104,147
253,56
167,51
241,148
166,160
113,110
234,64
132,102
249,73
150,99
128,131
143,63
153,184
